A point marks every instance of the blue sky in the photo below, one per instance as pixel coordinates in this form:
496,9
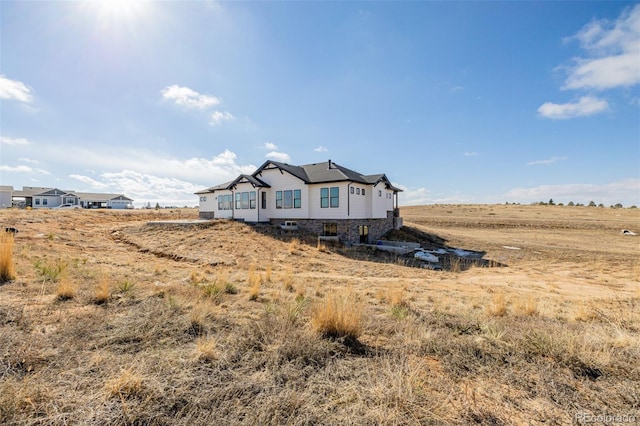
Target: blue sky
457,102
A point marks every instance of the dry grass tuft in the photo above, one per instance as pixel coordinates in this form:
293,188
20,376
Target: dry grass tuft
254,280
7,272
287,279
527,306
128,384
102,291
337,316
294,246
207,349
267,274
498,306
65,289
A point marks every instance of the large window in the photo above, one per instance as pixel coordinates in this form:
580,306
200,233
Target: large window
245,200
330,229
330,197
224,202
289,199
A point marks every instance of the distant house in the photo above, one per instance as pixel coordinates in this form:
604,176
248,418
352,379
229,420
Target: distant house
324,198
43,198
6,195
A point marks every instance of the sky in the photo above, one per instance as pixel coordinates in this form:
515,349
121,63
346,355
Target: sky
456,102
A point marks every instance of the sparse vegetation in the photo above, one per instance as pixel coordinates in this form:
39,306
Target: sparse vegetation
356,340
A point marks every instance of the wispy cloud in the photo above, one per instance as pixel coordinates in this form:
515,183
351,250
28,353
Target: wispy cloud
14,90
218,117
13,141
456,89
22,169
188,97
585,106
546,162
28,160
471,154
320,149
89,181
611,53
610,60
279,156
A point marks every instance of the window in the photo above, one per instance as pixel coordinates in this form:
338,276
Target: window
264,200
335,197
351,189
245,200
225,202
37,201
252,200
362,191
324,198
357,191
297,198
288,199
379,193
238,200
203,199
330,229
44,201
278,199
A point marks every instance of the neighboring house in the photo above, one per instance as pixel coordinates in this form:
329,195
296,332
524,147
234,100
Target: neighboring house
6,194
43,198
323,198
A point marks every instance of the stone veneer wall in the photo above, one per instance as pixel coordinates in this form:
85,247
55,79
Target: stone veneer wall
206,215
347,228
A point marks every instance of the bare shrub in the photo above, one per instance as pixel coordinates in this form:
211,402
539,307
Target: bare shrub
498,305
127,384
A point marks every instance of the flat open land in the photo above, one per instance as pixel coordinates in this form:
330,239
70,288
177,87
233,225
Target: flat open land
110,320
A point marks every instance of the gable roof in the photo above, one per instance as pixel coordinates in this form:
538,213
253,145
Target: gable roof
227,186
325,172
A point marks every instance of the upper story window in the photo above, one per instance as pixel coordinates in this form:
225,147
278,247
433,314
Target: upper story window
379,193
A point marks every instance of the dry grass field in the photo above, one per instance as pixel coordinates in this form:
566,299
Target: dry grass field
109,320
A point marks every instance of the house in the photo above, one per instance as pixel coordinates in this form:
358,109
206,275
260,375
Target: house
324,198
41,197
6,195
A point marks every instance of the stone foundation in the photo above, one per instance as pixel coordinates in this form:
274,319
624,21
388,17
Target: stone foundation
347,228
206,215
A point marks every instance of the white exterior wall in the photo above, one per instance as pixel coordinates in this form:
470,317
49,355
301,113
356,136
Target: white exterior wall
359,205
316,212
52,201
282,182
381,204
5,199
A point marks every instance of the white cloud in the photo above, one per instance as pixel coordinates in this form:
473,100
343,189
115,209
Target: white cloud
22,169
89,181
320,149
270,146
218,117
546,162
14,90
279,156
584,107
422,196
612,49
471,154
13,141
626,192
189,97
456,89
28,160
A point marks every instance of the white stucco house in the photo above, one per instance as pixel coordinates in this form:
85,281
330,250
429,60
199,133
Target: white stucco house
324,198
47,198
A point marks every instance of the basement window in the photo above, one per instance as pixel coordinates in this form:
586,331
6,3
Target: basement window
330,229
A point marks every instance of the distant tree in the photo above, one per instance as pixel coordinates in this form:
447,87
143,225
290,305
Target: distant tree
633,207
570,203
592,204
579,205
157,206
617,206
551,202
560,204
600,205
